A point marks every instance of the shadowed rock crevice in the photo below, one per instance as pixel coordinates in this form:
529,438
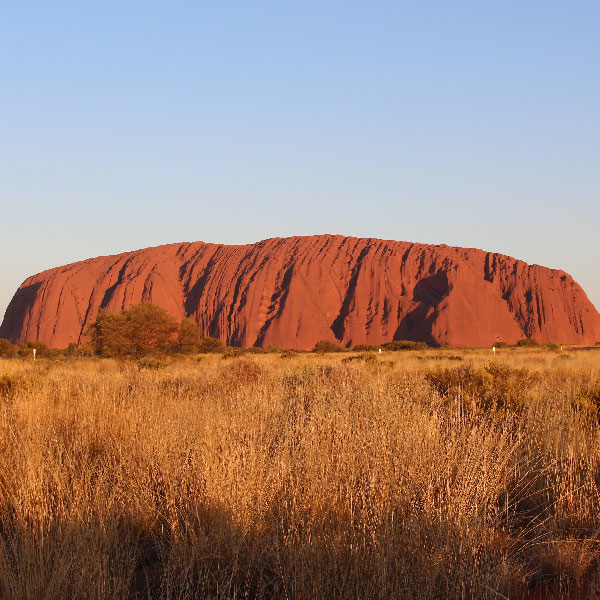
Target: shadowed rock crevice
109,293
431,290
417,325
278,301
338,325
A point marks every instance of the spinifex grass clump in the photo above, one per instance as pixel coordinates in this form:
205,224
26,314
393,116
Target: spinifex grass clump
492,387
312,477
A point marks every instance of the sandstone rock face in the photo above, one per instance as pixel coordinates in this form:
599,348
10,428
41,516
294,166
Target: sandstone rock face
295,291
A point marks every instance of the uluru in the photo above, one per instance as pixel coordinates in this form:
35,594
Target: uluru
293,292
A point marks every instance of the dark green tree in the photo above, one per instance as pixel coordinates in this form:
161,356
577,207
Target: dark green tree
138,331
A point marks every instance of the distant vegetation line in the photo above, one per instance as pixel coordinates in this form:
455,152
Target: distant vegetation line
149,330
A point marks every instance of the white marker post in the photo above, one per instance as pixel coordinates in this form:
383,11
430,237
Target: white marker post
34,351
494,349
379,350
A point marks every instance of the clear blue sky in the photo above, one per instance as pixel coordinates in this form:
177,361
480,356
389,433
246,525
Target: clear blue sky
130,124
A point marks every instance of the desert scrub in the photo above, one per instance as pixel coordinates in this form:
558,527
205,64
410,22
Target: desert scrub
150,363
366,357
9,384
492,387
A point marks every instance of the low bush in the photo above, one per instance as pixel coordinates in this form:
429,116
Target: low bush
492,387
209,344
190,336
25,350
366,348
231,352
393,346
150,363
254,350
397,345
191,340
7,350
325,346
527,343
440,357
366,357
76,351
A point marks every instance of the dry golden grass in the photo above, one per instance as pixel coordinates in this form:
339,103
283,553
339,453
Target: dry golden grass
310,477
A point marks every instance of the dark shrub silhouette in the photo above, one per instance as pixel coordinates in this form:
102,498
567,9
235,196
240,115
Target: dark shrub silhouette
134,332
7,350
327,346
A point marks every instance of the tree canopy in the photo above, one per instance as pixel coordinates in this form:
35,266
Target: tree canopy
146,329
134,332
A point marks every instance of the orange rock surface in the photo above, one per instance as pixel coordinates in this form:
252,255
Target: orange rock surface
295,291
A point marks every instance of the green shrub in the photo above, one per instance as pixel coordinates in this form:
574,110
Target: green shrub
189,336
366,357
325,346
491,388
552,346
135,332
72,349
76,351
210,344
7,350
397,345
191,340
366,348
254,350
231,352
527,343
25,350
440,357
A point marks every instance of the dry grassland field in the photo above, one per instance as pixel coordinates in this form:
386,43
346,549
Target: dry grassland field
401,475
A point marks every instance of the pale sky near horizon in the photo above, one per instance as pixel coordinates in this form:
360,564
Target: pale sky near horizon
132,124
